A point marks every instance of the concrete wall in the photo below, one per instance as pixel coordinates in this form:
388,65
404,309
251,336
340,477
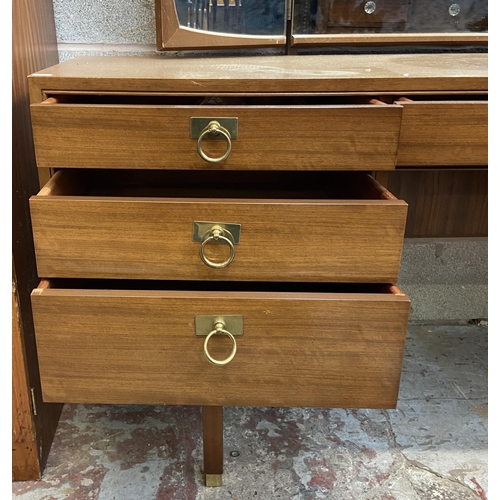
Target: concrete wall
113,27
446,279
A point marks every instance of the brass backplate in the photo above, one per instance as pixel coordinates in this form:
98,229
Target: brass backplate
201,229
198,124
205,324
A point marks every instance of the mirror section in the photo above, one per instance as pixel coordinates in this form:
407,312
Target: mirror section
237,17
378,17
220,24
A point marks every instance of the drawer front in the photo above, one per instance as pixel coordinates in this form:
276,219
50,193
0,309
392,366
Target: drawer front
443,133
139,347
360,137
280,240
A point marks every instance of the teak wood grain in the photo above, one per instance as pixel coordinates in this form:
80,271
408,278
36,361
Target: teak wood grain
269,137
443,203
281,239
302,73
297,349
25,456
34,47
107,344
343,39
443,133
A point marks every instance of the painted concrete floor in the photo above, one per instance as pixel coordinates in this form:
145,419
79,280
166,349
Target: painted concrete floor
433,446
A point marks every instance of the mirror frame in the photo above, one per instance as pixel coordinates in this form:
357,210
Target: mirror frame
170,35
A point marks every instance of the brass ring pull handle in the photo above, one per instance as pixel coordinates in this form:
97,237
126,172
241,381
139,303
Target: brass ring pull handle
219,330
214,128
217,234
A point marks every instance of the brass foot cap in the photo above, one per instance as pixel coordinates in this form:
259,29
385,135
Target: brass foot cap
213,479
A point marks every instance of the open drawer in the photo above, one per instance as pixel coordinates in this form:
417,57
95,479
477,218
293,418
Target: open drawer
296,345
156,132
443,132
302,226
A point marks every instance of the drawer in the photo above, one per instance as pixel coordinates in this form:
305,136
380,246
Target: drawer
275,136
443,133
335,346
301,226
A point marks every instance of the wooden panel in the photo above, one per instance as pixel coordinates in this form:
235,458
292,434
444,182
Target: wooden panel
281,240
25,458
313,73
375,39
443,133
139,347
443,203
269,137
33,47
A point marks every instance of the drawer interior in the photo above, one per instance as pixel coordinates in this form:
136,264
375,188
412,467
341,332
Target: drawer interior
234,287
158,99
336,99
216,184
472,98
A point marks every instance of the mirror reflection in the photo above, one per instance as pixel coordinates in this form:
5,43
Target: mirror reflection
250,17
389,16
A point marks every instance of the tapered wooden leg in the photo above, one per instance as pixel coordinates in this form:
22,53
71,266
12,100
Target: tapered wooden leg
213,454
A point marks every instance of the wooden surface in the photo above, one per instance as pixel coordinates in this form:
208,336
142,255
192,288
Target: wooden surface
213,440
389,39
443,133
269,137
33,48
25,457
317,73
61,183
293,239
297,349
443,203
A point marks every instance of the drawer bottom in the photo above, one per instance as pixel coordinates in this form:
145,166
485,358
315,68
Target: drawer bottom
316,346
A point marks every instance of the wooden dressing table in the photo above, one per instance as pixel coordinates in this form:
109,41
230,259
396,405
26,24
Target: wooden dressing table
267,246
